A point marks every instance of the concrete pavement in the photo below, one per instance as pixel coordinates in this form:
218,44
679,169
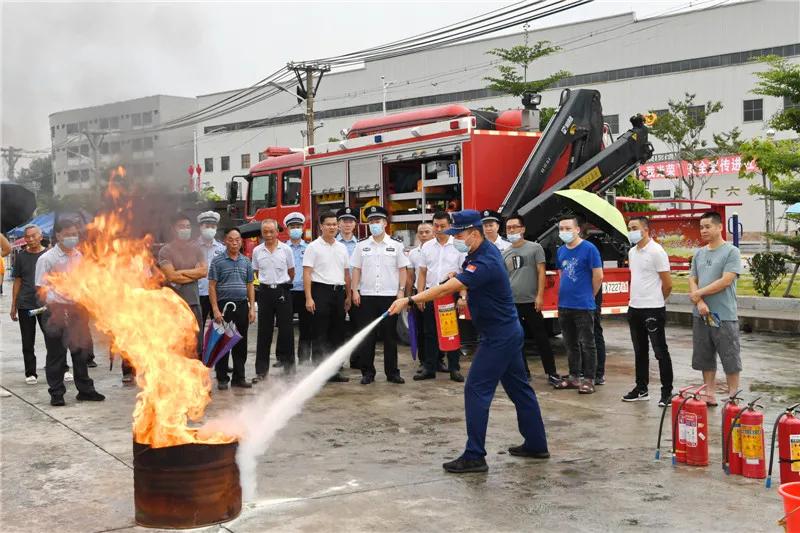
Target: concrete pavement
368,458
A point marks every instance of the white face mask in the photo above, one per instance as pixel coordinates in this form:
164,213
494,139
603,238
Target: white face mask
461,246
514,237
635,236
183,234
208,233
566,236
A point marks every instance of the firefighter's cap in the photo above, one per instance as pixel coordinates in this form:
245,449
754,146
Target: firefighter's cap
295,217
347,212
487,215
376,211
208,217
462,220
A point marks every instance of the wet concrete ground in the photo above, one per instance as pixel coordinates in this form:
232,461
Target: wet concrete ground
368,458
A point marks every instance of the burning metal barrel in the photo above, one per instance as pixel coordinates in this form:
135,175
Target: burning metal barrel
186,486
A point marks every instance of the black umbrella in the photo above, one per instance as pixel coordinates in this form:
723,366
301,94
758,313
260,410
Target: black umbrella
17,205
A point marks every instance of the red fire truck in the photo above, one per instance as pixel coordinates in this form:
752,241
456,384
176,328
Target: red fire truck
451,158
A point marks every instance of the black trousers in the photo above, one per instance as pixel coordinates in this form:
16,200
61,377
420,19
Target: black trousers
27,330
329,322
66,328
274,308
599,343
648,325
577,329
371,308
431,361
205,311
533,324
239,351
304,319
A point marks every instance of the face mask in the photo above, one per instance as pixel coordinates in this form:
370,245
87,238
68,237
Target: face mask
514,237
69,242
461,246
566,236
635,236
208,233
184,234
376,229
295,233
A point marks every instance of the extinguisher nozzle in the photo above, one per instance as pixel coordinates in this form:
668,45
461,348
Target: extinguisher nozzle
768,483
674,461
658,455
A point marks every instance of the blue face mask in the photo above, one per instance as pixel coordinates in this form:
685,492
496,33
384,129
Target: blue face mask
376,229
566,236
69,242
461,246
635,236
514,237
296,233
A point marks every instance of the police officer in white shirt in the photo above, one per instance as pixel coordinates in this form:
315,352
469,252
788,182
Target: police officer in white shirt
273,263
326,281
441,261
491,229
379,277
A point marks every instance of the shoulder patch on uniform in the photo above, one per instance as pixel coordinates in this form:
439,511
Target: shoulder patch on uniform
364,239
471,268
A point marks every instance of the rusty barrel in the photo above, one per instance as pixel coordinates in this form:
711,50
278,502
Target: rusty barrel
186,486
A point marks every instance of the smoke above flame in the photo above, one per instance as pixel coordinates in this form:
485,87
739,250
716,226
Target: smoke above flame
120,286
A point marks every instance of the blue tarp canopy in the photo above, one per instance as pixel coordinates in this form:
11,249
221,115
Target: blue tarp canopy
45,222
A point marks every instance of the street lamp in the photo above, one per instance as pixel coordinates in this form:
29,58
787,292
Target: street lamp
769,203
386,85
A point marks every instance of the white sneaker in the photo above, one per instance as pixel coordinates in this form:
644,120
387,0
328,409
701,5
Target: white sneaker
67,376
4,393
31,380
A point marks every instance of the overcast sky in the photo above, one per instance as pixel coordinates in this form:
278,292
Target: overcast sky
58,56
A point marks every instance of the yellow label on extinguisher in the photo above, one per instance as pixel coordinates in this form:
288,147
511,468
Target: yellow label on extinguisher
736,440
752,443
448,320
794,451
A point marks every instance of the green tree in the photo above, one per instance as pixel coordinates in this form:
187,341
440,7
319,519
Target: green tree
781,80
633,187
682,129
545,114
516,62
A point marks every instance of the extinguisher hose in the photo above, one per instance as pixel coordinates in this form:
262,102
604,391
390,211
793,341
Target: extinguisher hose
675,428
768,482
661,425
725,465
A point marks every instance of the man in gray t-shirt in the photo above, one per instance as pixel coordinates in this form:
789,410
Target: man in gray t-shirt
712,289
525,262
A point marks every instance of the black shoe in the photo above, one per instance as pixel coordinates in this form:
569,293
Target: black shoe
419,376
57,401
395,379
339,378
636,395
466,466
277,364
456,376
242,384
366,380
521,451
442,368
127,379
222,385
600,380
259,377
91,363
93,396
665,397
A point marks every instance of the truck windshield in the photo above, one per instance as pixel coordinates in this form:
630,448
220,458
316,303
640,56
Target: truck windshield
263,192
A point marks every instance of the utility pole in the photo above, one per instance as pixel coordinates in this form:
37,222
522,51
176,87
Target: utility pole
95,139
307,90
386,85
11,156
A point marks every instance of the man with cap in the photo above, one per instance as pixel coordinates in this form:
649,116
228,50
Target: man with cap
211,247
273,263
491,229
294,222
378,269
346,218
491,304
326,282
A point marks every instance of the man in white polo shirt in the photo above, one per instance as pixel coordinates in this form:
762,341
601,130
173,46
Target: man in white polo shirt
379,277
326,281
650,286
273,262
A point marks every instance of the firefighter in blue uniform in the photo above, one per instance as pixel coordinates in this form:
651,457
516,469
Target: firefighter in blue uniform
497,359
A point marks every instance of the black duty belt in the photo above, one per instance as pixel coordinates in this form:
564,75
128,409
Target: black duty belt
326,286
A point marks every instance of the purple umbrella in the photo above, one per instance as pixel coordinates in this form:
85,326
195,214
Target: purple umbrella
412,333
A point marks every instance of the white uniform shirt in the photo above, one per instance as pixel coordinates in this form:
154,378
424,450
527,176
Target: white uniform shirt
380,264
440,260
273,267
501,243
415,258
328,261
645,264
55,260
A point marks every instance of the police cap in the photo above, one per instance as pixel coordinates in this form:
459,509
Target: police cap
347,212
487,215
376,211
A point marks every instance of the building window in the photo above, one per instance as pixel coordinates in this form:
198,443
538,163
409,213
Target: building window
52,132
72,128
103,123
83,125
136,145
660,112
136,120
753,110
225,163
73,176
245,160
147,118
147,143
788,103
613,123
262,156
208,163
697,114
291,187
114,147
104,148
148,170
85,150
113,122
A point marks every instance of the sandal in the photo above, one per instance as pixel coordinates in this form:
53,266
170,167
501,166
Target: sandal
710,402
586,387
566,383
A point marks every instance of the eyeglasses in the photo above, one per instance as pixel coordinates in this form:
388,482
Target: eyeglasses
513,227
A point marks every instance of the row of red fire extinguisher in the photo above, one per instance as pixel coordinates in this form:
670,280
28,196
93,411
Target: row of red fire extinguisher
743,451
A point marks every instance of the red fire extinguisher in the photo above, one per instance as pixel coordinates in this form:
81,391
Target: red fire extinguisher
787,428
731,446
444,311
678,446
695,429
751,433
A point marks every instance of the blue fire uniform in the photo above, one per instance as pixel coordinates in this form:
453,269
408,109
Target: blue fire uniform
497,359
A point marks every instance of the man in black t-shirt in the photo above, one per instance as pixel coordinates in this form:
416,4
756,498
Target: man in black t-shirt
23,298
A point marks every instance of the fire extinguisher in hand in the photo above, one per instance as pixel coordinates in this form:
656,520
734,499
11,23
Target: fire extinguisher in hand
751,432
787,429
731,447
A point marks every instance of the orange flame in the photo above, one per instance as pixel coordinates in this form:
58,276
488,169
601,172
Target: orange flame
149,325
